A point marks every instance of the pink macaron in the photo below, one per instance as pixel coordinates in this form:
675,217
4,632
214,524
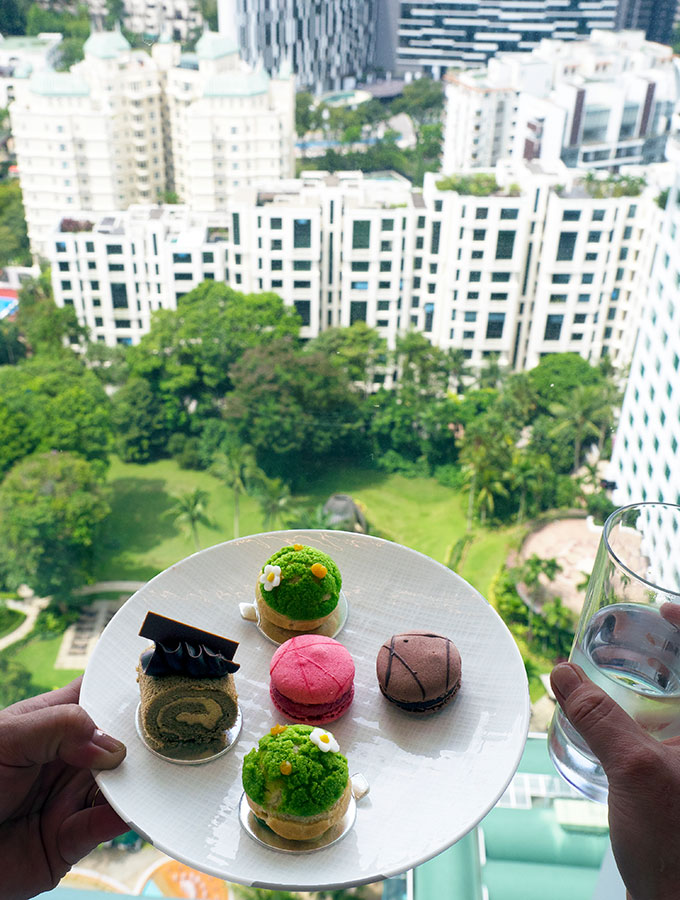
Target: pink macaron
312,679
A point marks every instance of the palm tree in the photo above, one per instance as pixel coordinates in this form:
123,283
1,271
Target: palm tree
526,475
237,468
458,367
189,510
579,413
273,495
313,517
491,374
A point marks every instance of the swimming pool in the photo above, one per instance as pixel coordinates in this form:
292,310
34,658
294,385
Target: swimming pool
8,305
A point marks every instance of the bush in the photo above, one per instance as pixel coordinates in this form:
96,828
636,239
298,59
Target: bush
450,476
391,461
600,507
566,492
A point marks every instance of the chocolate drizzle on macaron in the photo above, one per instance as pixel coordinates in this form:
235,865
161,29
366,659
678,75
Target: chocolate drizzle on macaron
419,671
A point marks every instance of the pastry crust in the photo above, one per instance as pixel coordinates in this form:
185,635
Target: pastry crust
276,618
304,828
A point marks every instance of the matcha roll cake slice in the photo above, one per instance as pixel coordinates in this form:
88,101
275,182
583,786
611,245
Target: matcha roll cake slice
186,683
298,588
297,782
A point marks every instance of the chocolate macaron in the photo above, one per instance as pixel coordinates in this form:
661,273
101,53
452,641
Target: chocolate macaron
419,671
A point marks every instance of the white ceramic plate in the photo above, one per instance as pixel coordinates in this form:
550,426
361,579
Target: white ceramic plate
431,779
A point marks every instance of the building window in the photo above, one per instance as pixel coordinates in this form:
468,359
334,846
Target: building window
509,214
275,224
277,265
566,245
385,265
89,246
236,221
302,265
208,257
553,328
499,295
183,276
436,231
479,234
598,215
114,248
119,296
66,285
359,285
277,244
94,285
302,233
303,308
181,257
481,212
500,276
559,278
571,215
302,284
494,325
475,276
505,244
387,225
357,311
470,317
360,266
361,234
594,237
385,246
116,267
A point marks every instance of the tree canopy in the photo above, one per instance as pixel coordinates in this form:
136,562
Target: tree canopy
51,507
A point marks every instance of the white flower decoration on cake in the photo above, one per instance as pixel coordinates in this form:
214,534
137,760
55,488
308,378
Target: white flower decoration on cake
324,740
271,577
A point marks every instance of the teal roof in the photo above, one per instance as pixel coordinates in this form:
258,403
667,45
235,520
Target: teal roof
105,44
212,45
237,84
14,43
58,84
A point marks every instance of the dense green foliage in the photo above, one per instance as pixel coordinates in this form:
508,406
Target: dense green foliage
14,248
51,506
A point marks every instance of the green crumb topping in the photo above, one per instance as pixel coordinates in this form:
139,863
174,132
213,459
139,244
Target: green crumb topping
316,780
301,594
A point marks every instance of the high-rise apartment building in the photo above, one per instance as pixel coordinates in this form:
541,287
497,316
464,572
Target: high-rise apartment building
20,57
604,102
435,36
329,44
655,17
644,462
123,127
536,263
178,19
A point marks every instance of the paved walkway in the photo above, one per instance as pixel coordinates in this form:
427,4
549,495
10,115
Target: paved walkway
30,608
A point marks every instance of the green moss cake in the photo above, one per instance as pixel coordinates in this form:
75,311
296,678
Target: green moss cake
296,781
298,588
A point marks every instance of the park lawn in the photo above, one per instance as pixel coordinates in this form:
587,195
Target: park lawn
141,537
39,656
10,619
417,512
483,558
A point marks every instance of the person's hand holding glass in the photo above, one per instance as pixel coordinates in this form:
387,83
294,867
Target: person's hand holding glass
628,637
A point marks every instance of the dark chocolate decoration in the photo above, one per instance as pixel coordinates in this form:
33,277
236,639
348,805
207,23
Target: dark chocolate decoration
184,650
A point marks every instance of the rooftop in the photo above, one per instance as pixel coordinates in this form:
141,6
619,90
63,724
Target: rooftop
237,84
214,46
105,44
59,84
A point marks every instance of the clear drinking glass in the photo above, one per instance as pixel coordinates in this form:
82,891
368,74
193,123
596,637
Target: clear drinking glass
628,636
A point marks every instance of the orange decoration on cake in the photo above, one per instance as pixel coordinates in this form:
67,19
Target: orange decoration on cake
277,729
319,570
285,767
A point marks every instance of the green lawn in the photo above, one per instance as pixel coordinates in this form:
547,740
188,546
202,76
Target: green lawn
38,656
142,537
10,619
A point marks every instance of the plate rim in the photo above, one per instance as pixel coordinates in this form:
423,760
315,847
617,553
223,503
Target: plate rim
217,872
